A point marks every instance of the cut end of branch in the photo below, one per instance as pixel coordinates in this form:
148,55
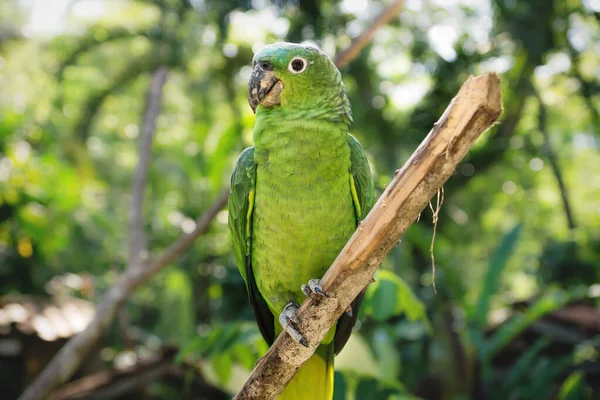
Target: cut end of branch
485,90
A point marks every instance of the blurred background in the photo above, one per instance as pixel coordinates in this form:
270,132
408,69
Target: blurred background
517,247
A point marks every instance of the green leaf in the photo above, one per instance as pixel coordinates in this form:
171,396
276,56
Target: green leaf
525,361
224,339
550,301
373,389
388,358
177,315
573,387
191,349
357,358
390,296
244,355
496,266
222,365
339,386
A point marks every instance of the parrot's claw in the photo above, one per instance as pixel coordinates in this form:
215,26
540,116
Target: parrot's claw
349,311
314,287
288,319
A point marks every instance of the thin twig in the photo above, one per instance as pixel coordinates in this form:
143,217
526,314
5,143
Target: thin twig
553,160
476,107
436,217
360,42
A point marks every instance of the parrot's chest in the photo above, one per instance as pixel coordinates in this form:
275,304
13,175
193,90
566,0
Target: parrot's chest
303,216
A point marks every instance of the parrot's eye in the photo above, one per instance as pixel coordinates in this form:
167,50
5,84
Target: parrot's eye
297,65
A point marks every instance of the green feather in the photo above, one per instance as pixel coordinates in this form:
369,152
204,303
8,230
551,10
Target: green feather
361,174
240,205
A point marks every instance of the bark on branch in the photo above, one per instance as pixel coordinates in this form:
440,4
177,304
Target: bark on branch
474,109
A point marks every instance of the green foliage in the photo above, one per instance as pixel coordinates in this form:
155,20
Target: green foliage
525,362
573,388
390,296
538,382
176,321
548,302
71,108
498,261
228,344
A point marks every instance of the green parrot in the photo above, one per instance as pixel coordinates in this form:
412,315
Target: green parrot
296,197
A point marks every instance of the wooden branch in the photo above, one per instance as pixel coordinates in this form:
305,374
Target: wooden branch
137,237
360,42
474,109
137,243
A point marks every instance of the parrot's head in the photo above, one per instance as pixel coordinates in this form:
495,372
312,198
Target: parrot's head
296,77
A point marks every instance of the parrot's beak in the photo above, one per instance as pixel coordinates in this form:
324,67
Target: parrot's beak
263,88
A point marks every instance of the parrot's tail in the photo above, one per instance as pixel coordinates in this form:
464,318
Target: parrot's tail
314,381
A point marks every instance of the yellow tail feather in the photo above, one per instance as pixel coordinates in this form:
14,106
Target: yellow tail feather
314,380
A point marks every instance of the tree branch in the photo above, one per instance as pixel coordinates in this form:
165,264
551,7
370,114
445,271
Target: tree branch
474,109
137,237
137,243
89,41
70,356
360,42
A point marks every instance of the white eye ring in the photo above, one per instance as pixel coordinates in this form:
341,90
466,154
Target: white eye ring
294,63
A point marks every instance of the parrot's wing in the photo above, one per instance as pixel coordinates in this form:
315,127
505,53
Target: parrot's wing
362,182
241,203
363,194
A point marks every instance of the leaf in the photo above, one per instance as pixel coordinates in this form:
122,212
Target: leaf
244,355
388,358
223,340
238,339
177,315
339,386
403,396
525,361
390,296
218,160
491,282
191,349
222,365
367,389
357,358
373,389
550,301
572,387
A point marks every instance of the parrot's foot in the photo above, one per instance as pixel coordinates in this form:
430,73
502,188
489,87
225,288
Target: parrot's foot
313,287
288,319
349,311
